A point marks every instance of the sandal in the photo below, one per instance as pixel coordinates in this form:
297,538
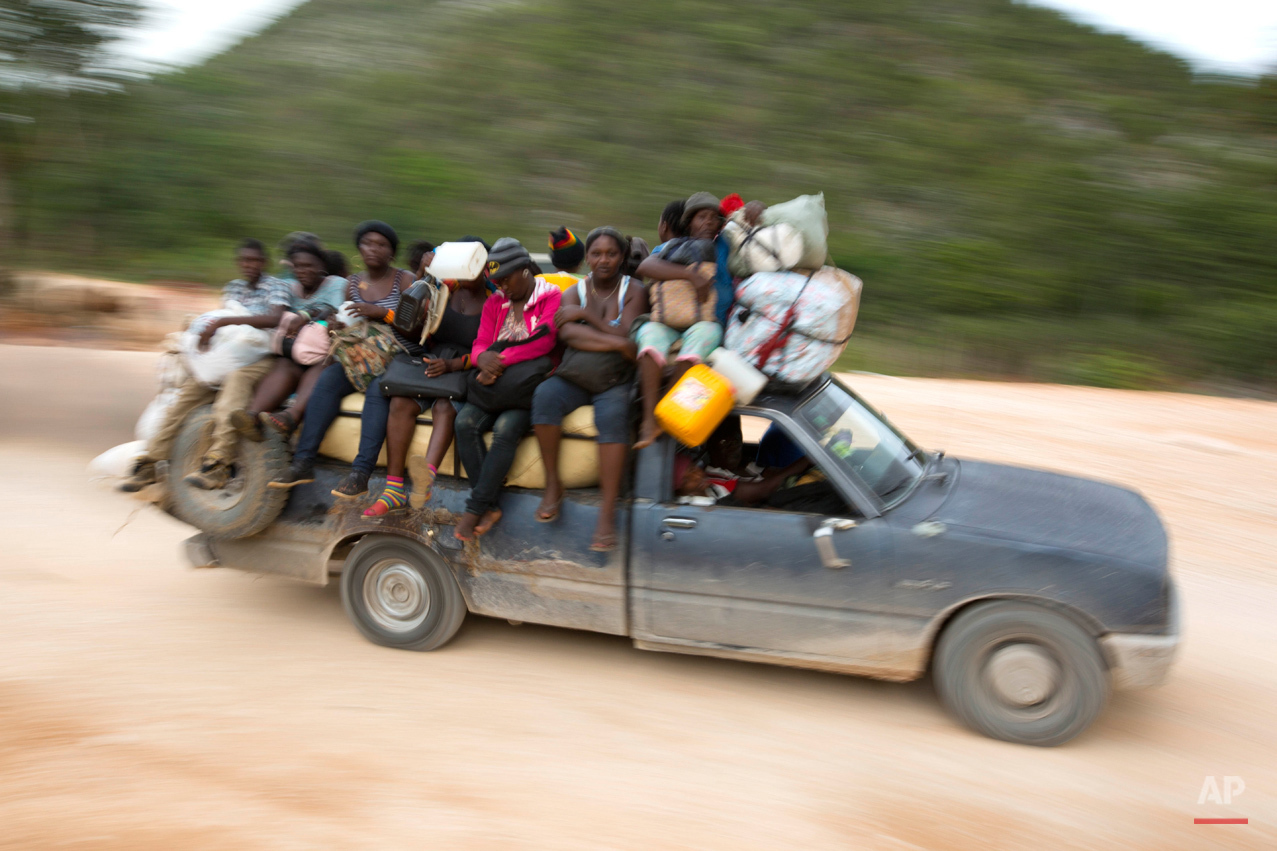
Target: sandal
423,481
298,473
551,515
356,484
603,543
281,421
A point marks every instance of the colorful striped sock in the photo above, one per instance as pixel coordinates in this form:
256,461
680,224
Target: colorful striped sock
394,497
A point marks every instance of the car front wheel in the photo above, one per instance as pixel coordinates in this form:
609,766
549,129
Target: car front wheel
1020,673
399,594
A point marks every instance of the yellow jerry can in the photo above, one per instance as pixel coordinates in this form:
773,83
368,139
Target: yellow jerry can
695,405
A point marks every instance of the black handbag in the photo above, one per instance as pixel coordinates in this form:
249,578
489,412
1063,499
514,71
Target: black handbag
513,390
406,376
595,372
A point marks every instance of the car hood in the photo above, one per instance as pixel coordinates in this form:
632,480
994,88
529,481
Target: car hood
1051,510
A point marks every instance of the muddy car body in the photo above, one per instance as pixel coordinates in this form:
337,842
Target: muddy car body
1026,594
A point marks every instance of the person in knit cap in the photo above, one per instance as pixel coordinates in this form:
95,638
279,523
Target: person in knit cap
692,258
516,327
567,253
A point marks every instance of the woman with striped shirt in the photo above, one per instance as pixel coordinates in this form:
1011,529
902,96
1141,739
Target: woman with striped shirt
375,293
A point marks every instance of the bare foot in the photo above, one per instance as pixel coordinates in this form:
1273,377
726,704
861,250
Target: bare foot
648,433
548,510
465,527
490,518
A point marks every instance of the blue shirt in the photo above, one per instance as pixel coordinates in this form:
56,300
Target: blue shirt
723,283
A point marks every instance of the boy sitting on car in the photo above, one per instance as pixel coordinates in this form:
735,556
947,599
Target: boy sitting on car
266,298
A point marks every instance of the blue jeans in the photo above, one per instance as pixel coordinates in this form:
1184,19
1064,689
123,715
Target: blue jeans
487,467
325,405
558,397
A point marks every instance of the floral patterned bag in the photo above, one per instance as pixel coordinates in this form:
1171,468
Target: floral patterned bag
364,351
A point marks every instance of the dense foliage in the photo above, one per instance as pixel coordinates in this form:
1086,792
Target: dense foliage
1021,194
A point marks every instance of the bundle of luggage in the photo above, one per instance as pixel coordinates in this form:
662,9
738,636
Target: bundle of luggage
791,319
793,314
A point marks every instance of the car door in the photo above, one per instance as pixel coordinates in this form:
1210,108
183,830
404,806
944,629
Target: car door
772,581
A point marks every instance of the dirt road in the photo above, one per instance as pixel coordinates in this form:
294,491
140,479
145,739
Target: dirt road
147,705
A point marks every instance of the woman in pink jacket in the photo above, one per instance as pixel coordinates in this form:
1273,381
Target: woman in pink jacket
517,328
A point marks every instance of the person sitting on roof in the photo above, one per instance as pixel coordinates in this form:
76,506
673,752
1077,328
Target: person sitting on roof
669,225
681,259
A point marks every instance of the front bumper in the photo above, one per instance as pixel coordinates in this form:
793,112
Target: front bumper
1142,661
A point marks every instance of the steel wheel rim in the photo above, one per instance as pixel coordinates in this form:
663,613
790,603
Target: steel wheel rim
396,595
1024,680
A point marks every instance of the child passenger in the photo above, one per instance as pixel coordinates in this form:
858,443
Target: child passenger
595,317
517,326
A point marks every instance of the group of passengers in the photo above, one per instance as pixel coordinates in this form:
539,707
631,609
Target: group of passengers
512,313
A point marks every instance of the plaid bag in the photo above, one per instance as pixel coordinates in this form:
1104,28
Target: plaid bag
364,351
677,305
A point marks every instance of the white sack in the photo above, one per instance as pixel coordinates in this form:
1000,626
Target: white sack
232,347
118,461
149,423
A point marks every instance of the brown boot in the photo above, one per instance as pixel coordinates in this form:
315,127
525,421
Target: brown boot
212,476
144,475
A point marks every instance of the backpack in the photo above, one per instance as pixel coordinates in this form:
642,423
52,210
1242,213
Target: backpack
792,325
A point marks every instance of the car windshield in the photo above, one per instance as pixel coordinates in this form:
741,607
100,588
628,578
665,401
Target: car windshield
857,437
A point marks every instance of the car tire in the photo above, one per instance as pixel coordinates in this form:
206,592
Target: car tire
400,594
1020,673
246,505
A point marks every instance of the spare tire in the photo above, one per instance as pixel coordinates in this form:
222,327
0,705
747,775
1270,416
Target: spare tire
246,505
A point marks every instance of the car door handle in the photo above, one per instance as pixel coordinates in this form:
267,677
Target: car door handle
824,538
678,523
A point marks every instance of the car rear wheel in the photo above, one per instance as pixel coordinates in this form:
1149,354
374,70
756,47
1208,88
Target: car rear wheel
399,594
1020,673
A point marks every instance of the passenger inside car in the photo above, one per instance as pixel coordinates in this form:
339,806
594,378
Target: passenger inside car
729,470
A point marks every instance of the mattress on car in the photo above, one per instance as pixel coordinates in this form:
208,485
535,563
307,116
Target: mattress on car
578,455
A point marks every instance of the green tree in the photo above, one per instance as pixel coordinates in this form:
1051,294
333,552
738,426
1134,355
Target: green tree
49,48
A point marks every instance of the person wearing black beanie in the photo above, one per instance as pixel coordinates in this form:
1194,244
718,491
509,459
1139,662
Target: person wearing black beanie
374,293
567,253
374,226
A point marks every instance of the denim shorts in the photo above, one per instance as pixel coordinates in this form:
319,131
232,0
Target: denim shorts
558,397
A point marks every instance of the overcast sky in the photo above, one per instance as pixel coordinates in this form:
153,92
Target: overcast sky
1221,35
